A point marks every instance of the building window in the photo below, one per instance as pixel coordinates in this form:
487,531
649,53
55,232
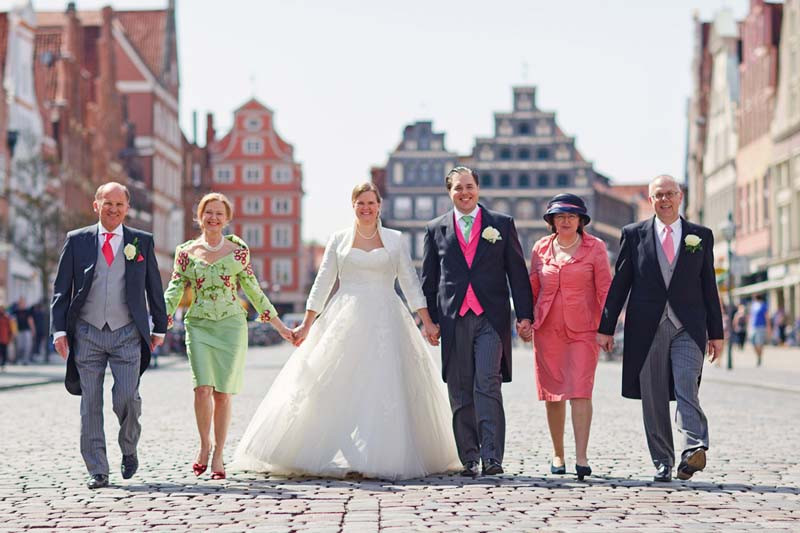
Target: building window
223,174
524,154
253,146
253,205
281,236
542,154
525,210
281,273
402,207
524,180
253,123
443,205
253,235
524,129
505,154
543,180
423,207
486,180
197,175
281,174
281,205
253,174
562,180
505,180
543,128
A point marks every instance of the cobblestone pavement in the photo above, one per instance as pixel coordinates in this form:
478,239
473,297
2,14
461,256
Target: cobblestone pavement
751,481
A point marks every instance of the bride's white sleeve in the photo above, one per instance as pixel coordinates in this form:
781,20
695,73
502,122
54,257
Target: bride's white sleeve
326,277
407,276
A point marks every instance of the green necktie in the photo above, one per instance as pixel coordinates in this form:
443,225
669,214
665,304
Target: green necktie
467,226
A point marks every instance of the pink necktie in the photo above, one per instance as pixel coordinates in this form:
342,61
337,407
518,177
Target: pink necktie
668,245
108,253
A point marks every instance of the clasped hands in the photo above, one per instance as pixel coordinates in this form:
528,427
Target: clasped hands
525,329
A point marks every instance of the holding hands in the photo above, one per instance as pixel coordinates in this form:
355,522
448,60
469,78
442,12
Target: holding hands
525,330
282,330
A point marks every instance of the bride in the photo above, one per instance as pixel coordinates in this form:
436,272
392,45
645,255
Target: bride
361,394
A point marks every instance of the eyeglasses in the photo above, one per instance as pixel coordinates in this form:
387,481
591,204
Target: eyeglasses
669,195
565,216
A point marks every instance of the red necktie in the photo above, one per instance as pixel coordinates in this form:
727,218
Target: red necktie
669,245
108,253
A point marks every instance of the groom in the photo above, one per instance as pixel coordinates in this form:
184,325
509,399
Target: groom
107,278
471,256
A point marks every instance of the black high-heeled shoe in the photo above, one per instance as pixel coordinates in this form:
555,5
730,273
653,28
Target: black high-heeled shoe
583,471
559,470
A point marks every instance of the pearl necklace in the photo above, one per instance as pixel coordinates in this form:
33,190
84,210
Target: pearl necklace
364,236
216,248
570,245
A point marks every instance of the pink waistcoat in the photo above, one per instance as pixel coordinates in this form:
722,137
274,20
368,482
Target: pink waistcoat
469,249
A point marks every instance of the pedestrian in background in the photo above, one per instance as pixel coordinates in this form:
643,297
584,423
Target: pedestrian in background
215,265
570,276
26,328
758,326
740,326
41,348
779,326
5,337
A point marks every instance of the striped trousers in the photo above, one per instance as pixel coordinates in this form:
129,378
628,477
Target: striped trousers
121,350
474,379
674,352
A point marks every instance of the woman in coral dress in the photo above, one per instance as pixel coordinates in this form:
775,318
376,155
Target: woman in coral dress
570,276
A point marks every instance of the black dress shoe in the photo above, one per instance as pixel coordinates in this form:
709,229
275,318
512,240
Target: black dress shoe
692,461
470,469
492,467
97,481
663,474
130,463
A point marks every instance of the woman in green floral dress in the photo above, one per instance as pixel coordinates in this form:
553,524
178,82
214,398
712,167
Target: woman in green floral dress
215,266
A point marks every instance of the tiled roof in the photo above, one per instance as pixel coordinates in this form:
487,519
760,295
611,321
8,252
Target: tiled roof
146,31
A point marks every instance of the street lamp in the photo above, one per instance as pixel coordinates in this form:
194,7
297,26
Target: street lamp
728,229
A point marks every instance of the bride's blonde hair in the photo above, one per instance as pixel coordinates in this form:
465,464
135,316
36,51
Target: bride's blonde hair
365,187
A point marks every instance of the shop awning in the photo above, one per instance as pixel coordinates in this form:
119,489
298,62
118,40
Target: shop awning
763,286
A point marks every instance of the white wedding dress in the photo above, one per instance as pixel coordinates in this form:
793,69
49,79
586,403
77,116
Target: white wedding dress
362,394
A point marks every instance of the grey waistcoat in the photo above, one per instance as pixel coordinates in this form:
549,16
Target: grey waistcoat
106,302
666,271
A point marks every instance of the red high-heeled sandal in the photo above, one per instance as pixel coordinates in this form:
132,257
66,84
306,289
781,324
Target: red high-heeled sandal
198,469
218,475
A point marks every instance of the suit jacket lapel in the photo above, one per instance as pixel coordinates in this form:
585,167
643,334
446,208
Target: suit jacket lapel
449,229
649,242
127,238
486,221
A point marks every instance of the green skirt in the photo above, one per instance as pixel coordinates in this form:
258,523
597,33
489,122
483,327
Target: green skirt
217,351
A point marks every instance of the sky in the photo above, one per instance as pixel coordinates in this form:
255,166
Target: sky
345,77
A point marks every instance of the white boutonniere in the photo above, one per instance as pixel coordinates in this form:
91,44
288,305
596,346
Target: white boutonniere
131,251
693,243
491,234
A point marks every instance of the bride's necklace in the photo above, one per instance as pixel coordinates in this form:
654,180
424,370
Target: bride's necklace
216,248
570,245
364,236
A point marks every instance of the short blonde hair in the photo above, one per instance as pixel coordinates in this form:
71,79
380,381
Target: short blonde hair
365,187
212,197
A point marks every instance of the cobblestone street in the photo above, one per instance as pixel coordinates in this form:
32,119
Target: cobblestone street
751,481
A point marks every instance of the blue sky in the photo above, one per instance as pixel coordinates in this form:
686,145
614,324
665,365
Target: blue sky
345,77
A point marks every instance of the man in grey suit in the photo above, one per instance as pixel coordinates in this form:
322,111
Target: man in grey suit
666,265
106,285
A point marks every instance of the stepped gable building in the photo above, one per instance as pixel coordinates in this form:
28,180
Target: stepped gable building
413,183
256,169
529,160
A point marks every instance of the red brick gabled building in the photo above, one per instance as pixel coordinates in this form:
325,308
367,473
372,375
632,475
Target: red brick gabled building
255,168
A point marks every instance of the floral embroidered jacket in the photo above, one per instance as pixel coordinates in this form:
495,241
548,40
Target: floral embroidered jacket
216,285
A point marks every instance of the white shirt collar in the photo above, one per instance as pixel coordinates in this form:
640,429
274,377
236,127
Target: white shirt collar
676,226
102,230
473,214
